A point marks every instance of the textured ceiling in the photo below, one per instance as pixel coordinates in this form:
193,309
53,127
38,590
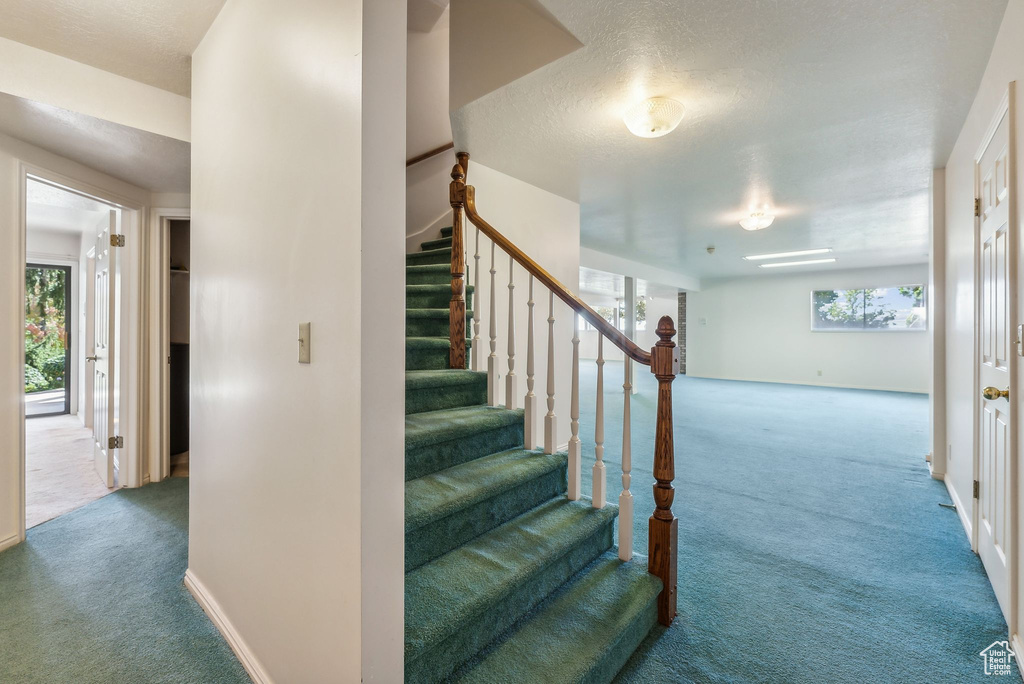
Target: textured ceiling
146,40
144,159
51,209
834,112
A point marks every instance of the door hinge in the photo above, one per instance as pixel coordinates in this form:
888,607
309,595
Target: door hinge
977,489
977,206
116,240
115,442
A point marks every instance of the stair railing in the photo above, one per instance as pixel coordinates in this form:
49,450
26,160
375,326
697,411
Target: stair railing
662,526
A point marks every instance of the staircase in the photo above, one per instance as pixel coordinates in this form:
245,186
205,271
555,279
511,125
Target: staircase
506,579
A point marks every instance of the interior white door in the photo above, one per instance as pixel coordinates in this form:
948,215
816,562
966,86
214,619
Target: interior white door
995,467
104,355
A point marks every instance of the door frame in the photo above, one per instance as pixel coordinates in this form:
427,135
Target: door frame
159,339
1005,109
132,217
72,381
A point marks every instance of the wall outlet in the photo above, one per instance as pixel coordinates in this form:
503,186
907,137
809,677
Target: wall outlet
819,374
703,321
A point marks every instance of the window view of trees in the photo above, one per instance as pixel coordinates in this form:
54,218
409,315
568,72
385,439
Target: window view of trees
45,331
890,308
608,314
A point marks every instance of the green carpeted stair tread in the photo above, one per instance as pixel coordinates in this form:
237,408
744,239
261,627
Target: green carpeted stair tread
585,633
446,231
444,242
429,274
431,296
434,256
438,495
451,507
434,390
458,603
436,440
429,353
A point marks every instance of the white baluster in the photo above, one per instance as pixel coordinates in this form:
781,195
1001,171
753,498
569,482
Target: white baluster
599,476
476,306
550,440
626,497
575,460
510,379
530,401
492,360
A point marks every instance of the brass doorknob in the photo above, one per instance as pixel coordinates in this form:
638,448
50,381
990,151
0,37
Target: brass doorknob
993,393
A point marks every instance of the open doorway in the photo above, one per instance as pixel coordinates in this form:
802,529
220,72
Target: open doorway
72,306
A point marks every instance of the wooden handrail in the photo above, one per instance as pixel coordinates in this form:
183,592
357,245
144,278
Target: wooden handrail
430,153
663,527
465,197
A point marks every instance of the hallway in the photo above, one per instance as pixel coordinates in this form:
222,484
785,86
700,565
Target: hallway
811,544
96,596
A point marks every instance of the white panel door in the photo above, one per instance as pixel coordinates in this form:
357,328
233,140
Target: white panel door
996,361
104,356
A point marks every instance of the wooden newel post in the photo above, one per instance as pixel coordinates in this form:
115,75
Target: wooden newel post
663,528
457,306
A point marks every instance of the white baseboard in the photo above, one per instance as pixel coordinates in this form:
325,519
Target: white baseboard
962,511
252,665
1018,653
13,540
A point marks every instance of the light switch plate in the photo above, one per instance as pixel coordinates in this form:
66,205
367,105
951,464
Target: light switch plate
303,342
1020,340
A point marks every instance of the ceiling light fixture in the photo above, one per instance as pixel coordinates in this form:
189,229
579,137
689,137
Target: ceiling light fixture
654,117
757,220
797,263
783,255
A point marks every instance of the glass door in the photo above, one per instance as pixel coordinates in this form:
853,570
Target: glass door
47,340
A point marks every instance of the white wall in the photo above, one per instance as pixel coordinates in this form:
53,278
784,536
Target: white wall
12,251
656,308
760,329
279,451
547,228
1005,64
428,127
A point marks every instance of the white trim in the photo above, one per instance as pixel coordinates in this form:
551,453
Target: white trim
961,510
156,340
1018,653
13,540
213,610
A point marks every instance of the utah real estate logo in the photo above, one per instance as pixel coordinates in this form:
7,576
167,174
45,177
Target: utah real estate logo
997,658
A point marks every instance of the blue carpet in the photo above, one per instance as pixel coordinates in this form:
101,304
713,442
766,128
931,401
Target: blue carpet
96,596
812,548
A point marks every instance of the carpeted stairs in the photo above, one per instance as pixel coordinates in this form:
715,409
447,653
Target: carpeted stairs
506,580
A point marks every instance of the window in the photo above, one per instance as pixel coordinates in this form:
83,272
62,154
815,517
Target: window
608,314
876,309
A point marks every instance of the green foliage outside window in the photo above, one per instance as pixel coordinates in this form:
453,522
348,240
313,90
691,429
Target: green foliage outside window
45,332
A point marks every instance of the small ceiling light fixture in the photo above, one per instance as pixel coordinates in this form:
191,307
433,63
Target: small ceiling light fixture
783,255
758,220
654,117
808,262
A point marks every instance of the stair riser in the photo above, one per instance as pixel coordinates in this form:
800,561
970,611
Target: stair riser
442,277
436,244
446,232
632,636
429,327
453,396
438,538
439,662
433,299
424,258
425,460
430,359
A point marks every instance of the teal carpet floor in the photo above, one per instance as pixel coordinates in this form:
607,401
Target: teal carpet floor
96,596
812,546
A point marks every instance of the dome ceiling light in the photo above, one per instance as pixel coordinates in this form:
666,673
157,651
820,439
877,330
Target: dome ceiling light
758,220
654,117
